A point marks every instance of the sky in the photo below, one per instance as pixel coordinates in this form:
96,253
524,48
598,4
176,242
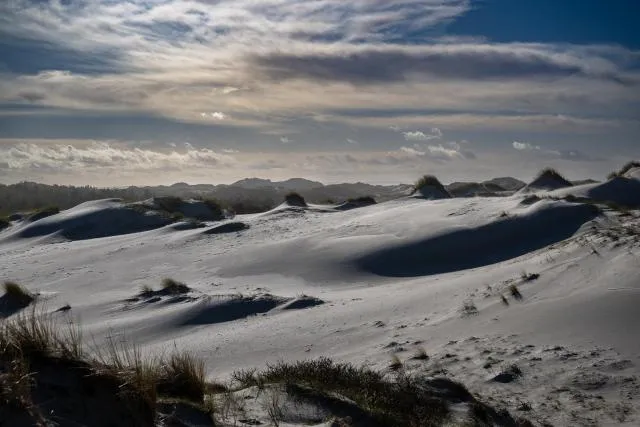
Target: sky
146,92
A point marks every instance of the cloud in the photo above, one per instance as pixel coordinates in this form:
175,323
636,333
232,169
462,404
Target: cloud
106,156
215,115
322,68
435,133
285,140
352,141
572,155
360,64
524,146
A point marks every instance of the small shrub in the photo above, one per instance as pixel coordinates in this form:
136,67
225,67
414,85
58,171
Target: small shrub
43,213
515,293
504,300
469,308
396,363
17,295
169,204
421,354
173,287
295,199
215,207
529,277
428,181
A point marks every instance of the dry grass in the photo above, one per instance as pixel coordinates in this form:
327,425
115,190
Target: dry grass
420,354
426,181
34,337
173,287
626,168
403,401
184,376
295,199
555,175
17,295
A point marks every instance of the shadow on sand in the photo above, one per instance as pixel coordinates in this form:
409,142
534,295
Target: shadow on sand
476,247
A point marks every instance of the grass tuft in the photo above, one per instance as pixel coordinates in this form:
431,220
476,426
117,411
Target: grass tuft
405,401
173,287
17,295
555,175
626,168
295,199
183,376
515,292
426,181
420,354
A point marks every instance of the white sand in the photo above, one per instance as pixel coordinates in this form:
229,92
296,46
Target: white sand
388,278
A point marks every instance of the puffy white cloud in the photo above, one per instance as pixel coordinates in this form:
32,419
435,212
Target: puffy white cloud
417,135
524,146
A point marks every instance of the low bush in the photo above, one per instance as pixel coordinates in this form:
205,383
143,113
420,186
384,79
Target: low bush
173,287
428,181
295,199
43,213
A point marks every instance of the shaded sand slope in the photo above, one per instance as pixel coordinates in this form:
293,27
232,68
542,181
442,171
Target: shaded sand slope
622,190
500,240
100,218
573,333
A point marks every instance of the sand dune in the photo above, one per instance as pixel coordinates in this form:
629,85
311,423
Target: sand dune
386,279
461,249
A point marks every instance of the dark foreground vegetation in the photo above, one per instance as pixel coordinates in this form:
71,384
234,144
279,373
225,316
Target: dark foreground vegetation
47,377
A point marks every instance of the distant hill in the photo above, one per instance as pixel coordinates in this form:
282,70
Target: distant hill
245,196
294,184
495,186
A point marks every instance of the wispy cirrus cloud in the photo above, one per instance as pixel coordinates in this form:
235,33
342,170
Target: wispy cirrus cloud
327,69
573,155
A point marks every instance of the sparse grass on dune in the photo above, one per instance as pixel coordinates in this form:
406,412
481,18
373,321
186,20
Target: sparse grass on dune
626,168
295,199
117,384
35,341
404,401
551,173
173,287
169,204
428,181
215,206
43,213
183,376
17,295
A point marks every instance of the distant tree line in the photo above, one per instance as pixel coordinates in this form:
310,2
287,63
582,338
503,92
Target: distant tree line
31,196
28,196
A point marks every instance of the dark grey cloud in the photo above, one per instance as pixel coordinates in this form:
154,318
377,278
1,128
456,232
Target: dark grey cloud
389,65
